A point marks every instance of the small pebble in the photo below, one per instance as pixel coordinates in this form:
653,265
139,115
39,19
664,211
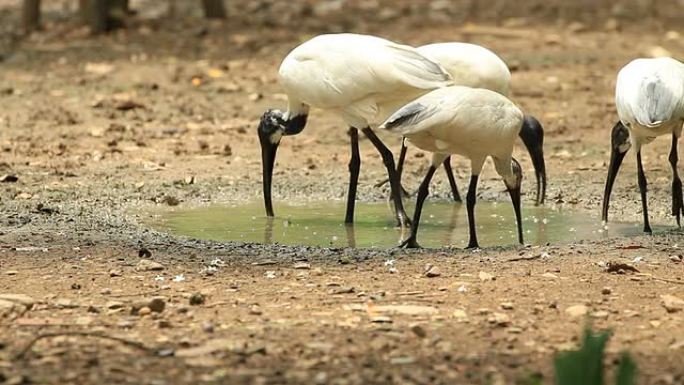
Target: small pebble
419,331
197,299
381,319
255,310
432,271
164,324
302,266
157,304
148,265
207,327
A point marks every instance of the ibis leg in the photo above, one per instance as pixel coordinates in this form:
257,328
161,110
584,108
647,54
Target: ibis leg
677,201
642,189
400,169
452,181
395,183
402,158
354,167
268,231
470,205
351,235
423,191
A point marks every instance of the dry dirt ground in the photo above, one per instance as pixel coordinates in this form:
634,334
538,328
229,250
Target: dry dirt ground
100,130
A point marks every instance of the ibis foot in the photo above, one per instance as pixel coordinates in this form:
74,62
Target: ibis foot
677,201
473,245
410,243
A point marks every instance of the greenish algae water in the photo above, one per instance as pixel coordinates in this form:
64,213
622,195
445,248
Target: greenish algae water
442,224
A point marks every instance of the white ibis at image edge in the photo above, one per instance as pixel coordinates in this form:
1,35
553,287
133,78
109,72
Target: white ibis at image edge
649,96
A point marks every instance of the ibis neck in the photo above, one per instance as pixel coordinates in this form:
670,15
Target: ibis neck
295,125
532,135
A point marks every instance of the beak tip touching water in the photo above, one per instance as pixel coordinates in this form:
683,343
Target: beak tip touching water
268,155
268,152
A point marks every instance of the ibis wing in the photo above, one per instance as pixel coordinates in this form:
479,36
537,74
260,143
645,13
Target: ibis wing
354,72
416,116
655,103
465,108
470,65
381,68
649,102
649,92
412,68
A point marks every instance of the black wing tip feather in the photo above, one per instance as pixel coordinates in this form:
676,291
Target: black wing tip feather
404,116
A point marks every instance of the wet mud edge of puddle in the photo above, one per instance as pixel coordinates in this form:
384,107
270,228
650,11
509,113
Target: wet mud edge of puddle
442,224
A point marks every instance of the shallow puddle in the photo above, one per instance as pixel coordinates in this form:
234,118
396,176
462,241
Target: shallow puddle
442,224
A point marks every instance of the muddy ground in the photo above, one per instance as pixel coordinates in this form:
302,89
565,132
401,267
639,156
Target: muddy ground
101,130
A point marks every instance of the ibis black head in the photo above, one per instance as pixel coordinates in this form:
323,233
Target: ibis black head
272,127
619,145
619,138
532,135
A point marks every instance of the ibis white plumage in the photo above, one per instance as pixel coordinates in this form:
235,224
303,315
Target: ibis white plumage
649,96
478,67
364,79
472,122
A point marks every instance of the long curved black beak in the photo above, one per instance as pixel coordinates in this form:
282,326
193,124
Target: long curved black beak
618,138
268,155
514,192
271,128
532,135
515,198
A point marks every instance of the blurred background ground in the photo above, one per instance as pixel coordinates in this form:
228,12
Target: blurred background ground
96,130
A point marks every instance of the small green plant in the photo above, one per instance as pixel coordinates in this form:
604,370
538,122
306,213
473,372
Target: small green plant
585,365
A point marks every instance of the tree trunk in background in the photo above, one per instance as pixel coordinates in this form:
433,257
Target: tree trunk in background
172,10
214,9
119,4
103,15
31,15
98,16
84,10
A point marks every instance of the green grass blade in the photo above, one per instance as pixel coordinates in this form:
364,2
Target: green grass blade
627,370
583,366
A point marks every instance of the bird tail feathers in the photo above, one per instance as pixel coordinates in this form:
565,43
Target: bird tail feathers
408,117
655,104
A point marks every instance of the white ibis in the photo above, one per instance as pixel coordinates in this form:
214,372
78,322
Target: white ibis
476,66
472,122
649,96
364,79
